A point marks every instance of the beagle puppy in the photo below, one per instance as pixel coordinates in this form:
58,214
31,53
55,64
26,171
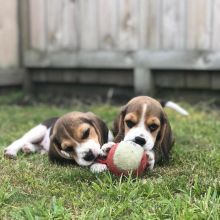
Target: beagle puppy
143,121
75,137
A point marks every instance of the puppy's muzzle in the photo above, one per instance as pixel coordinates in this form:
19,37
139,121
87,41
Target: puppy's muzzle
139,140
90,156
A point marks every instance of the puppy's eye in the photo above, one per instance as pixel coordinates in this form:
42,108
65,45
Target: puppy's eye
153,127
86,133
130,123
69,149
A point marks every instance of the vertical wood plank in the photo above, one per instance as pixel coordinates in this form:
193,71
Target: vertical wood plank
88,25
143,23
24,31
143,81
62,29
107,17
128,24
38,28
8,33
173,24
199,24
24,41
154,24
215,43
70,24
54,14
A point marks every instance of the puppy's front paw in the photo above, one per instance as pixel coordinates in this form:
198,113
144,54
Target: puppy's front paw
98,168
28,148
106,148
151,159
10,154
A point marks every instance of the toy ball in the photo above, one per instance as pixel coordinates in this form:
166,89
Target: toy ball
126,157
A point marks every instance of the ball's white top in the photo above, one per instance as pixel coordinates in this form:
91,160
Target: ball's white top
128,155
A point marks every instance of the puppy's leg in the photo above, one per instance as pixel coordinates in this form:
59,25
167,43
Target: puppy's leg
106,148
151,159
99,167
30,148
35,135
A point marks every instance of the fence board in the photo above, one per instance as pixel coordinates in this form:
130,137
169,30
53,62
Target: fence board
11,77
128,24
154,27
199,24
70,24
216,25
143,23
62,29
38,27
123,60
54,35
8,33
88,24
173,24
108,17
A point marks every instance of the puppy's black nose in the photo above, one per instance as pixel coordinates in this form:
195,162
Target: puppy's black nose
139,140
89,156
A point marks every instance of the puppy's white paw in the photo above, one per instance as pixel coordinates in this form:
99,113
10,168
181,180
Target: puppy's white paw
106,148
98,168
28,148
151,159
10,154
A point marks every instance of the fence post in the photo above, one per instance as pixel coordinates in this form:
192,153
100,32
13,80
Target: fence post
143,81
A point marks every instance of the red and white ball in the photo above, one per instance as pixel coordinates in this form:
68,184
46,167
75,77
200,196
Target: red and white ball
127,157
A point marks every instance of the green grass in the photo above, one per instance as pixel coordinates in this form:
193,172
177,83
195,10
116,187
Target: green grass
188,188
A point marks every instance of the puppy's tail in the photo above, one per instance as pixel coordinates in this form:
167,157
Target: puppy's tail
174,106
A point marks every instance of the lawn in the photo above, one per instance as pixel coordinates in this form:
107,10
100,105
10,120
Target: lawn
187,188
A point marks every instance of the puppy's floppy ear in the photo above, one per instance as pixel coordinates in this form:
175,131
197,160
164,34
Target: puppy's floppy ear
100,128
55,150
118,126
164,141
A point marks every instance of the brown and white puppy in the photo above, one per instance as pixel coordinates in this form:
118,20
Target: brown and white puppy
75,137
143,121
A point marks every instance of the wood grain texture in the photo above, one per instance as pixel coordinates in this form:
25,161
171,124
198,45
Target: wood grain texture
215,43
124,25
143,24
8,34
61,24
128,25
202,60
143,81
89,33
173,24
38,24
108,26
154,27
199,24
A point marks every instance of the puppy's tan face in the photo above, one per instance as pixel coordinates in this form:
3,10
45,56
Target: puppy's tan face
142,121
77,137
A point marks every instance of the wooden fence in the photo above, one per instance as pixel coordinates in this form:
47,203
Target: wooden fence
10,73
124,25
121,34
